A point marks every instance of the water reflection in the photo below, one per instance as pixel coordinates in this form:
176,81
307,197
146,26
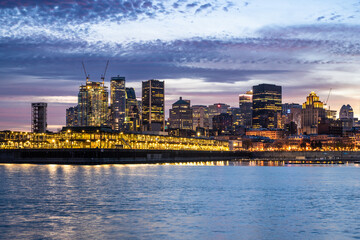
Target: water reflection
260,163
171,202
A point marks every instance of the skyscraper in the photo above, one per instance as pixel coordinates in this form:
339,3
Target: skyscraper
92,104
153,105
117,102
38,117
266,106
132,113
181,115
245,105
311,114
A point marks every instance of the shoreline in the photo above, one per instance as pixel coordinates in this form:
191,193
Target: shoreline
126,156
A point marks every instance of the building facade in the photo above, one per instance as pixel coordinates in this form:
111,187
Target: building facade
291,116
266,111
117,103
311,114
245,105
216,109
222,123
132,112
153,105
200,116
93,104
346,116
72,116
38,117
181,115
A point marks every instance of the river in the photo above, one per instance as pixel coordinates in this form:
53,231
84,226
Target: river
213,200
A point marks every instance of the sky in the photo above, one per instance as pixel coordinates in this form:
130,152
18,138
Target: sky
205,51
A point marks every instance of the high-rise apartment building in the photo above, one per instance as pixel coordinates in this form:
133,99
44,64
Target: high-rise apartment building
38,117
72,116
153,105
311,114
266,111
181,115
92,104
117,103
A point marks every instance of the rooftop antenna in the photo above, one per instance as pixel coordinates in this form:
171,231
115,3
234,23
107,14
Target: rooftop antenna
103,76
86,75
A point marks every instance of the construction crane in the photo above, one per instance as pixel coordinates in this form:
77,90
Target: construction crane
103,76
327,99
86,75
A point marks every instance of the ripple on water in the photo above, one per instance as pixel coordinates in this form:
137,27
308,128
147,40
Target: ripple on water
179,202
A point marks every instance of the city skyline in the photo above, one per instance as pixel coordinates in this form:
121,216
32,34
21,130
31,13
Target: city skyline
199,57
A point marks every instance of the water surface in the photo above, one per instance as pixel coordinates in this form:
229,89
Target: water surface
185,201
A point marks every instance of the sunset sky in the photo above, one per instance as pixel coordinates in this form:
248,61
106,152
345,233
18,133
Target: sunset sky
205,51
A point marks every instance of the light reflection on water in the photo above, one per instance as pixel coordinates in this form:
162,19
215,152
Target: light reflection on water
170,201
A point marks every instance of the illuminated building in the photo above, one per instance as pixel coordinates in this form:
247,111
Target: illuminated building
200,116
117,102
93,104
311,114
132,113
216,109
269,133
330,114
181,115
245,105
346,116
153,105
236,116
266,106
72,116
98,137
38,117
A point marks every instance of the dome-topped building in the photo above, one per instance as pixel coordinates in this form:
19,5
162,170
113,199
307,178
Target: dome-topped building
346,112
346,115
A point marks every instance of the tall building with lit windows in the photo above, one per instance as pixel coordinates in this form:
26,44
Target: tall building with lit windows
311,114
72,116
245,106
38,117
266,104
92,104
153,105
117,103
132,112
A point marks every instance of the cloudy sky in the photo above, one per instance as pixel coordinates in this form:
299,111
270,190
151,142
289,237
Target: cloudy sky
206,51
